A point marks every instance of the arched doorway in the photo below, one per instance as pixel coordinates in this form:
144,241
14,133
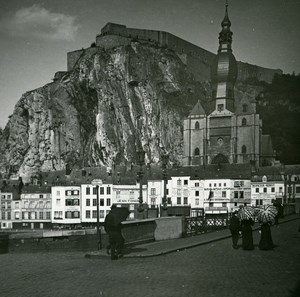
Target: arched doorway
220,158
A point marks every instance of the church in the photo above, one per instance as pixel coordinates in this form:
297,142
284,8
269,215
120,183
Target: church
226,131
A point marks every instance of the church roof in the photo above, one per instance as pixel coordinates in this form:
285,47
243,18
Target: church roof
197,110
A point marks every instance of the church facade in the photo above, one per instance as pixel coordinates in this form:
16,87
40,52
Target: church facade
226,131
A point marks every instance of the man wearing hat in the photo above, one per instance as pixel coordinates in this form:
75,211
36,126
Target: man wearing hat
234,227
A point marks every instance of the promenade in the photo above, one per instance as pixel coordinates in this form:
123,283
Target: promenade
202,265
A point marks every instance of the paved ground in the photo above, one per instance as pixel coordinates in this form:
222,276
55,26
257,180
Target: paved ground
213,269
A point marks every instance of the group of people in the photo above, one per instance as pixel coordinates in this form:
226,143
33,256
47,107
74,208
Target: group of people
244,227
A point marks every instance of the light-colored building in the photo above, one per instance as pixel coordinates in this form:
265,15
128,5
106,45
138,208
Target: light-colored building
6,209
89,202
263,192
66,205
33,211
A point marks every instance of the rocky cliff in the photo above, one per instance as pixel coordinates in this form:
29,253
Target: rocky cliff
113,103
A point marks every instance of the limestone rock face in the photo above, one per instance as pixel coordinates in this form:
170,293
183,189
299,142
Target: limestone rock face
113,103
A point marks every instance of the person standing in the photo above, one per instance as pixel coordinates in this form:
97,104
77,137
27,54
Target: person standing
234,227
266,242
116,240
247,236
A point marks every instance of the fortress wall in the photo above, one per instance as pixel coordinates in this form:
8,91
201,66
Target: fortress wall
197,60
111,41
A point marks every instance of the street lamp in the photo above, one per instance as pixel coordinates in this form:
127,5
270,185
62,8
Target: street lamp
165,159
97,183
141,161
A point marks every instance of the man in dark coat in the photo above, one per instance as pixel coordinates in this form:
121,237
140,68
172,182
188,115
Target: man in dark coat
116,240
234,227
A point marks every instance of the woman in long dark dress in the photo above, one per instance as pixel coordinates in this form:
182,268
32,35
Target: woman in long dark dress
266,242
247,237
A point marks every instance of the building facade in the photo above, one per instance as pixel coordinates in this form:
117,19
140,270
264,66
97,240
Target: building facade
226,130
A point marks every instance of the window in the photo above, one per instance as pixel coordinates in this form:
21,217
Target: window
196,193
185,182
75,192
185,200
273,190
224,204
76,214
108,190
197,151
215,184
57,193
108,202
94,202
169,200
224,194
88,202
265,190
101,213
244,149
102,202
197,201
220,185
256,190
101,190
94,190
244,122
211,204
68,202
88,191
58,202
197,126
178,192
245,107
152,201
94,214
88,214
153,191
17,215
8,215
241,194
75,201
41,196
280,190
297,189
196,184
179,182
224,184
178,200
131,195
220,107
68,215
68,193
41,215
210,185
3,205
236,194
9,205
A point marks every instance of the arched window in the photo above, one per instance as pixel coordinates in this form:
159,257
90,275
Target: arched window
244,122
197,126
244,149
197,151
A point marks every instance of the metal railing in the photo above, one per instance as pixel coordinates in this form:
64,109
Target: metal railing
198,225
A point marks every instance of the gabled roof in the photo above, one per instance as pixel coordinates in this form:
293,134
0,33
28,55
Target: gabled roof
197,110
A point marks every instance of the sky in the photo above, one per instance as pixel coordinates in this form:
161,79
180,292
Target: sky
35,36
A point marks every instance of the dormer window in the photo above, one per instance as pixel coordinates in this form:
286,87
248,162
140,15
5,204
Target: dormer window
197,126
245,107
197,151
264,179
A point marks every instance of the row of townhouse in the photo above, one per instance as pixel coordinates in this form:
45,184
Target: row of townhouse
211,192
